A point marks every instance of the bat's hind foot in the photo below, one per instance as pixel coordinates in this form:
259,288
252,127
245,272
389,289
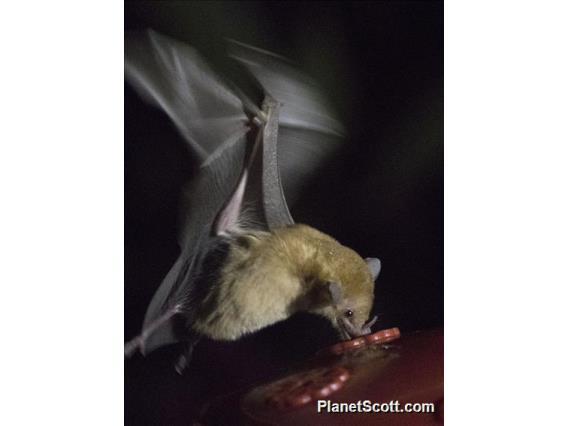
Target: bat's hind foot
185,358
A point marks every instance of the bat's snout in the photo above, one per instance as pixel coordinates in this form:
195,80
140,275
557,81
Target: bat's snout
350,331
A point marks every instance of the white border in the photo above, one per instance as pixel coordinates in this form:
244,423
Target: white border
61,226
506,212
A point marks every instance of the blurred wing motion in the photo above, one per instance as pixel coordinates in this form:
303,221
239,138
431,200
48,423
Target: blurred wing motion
235,140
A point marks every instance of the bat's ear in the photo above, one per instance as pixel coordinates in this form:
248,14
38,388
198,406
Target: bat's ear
374,265
335,292
325,294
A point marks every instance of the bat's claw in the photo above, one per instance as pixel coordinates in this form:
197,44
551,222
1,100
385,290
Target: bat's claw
181,364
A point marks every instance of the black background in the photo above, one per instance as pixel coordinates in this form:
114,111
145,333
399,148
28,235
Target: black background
381,66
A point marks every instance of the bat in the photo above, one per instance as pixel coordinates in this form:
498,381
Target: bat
244,263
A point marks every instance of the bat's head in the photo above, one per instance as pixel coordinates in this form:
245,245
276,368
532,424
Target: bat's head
340,284
351,296
346,285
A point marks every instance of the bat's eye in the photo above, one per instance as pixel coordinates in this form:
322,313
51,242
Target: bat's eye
348,313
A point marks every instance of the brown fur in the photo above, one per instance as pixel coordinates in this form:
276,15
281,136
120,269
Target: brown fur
271,275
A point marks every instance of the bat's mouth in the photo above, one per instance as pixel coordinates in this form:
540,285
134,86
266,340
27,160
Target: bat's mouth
349,331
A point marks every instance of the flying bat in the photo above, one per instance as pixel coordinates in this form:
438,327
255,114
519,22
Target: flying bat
244,263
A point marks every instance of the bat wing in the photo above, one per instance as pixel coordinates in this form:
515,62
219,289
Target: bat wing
172,76
308,131
243,149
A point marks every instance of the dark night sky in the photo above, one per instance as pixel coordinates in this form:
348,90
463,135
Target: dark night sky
381,65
